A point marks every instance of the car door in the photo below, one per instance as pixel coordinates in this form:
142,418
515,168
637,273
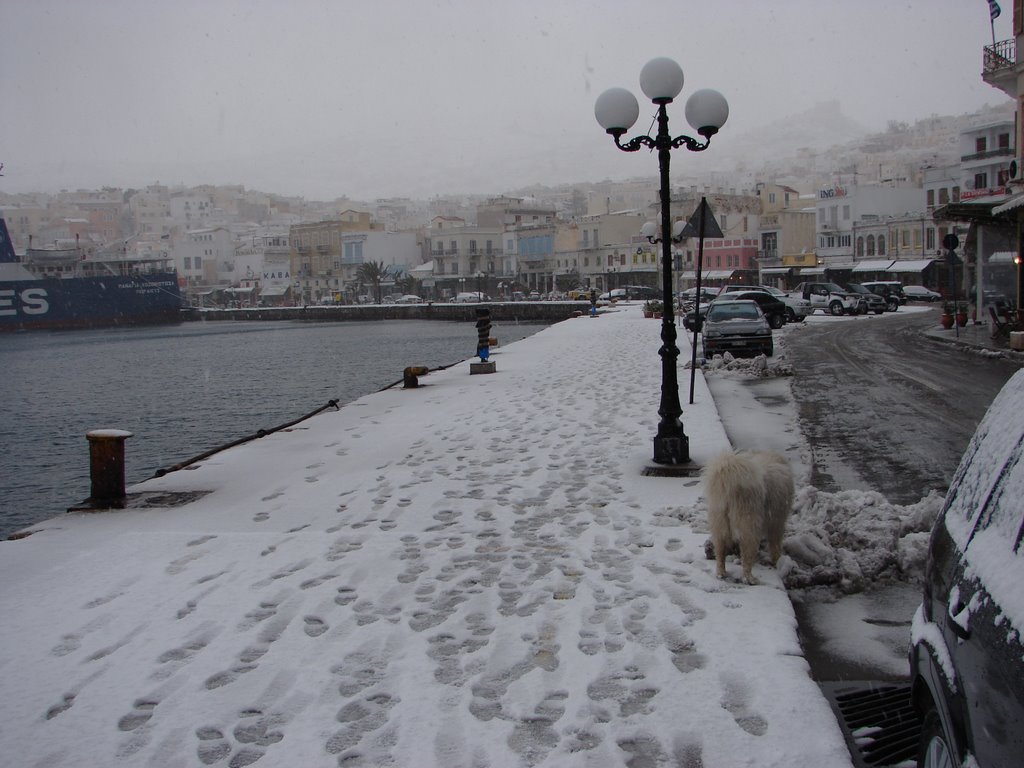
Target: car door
987,650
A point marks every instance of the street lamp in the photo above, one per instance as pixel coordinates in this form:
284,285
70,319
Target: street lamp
616,110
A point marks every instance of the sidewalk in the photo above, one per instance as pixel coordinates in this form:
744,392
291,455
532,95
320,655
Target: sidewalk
472,573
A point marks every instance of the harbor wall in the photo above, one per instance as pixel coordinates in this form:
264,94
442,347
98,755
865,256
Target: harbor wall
513,311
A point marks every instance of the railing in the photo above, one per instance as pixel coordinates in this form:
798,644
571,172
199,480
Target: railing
1000,56
988,153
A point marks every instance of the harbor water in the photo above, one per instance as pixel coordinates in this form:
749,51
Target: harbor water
185,389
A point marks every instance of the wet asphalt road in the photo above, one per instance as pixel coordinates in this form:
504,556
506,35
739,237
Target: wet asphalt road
883,407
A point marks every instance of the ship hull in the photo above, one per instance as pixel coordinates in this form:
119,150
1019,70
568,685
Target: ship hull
89,302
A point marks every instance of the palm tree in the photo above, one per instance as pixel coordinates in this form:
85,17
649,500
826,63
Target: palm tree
373,273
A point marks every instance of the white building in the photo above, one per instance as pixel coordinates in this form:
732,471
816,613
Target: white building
842,212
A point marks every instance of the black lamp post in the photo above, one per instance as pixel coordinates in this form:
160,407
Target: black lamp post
616,110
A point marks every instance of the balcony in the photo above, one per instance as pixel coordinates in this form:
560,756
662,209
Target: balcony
1000,66
987,154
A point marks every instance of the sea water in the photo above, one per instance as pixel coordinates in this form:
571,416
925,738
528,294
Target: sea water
185,389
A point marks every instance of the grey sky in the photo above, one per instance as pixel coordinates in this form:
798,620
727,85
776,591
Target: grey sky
422,97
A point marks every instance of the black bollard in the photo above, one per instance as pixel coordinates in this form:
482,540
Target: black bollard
106,467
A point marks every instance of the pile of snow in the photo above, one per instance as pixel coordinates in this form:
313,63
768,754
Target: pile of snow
755,366
853,540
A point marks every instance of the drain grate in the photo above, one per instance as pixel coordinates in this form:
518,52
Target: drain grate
879,722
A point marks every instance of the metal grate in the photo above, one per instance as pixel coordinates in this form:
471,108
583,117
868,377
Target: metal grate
879,722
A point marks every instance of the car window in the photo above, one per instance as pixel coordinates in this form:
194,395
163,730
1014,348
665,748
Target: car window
990,453
734,312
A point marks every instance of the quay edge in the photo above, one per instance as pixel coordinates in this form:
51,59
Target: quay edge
517,311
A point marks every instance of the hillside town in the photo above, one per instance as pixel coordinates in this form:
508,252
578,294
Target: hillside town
876,207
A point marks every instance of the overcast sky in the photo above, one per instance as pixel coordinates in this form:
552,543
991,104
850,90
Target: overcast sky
423,97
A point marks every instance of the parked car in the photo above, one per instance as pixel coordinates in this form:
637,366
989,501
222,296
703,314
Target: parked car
409,298
871,301
920,293
890,290
773,308
692,320
828,297
797,307
738,326
967,637
470,297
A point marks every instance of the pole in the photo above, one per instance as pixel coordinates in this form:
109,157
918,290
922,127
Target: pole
702,212
671,446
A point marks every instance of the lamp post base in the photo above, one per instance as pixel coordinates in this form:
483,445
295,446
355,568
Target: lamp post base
672,449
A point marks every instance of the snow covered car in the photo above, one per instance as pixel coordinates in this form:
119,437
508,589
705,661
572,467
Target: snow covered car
967,651
797,307
409,298
920,293
737,326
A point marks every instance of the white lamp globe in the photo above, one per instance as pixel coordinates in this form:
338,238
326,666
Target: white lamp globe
707,110
649,230
661,80
616,110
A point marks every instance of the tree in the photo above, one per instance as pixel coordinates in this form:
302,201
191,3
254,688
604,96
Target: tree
373,273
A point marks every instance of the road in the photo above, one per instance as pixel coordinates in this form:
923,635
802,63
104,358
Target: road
872,405
883,408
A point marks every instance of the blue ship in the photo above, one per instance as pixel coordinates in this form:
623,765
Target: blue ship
63,288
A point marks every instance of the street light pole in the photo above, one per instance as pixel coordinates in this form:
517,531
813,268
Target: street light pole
617,110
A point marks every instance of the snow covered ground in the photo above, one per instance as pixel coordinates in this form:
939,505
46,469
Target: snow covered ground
472,573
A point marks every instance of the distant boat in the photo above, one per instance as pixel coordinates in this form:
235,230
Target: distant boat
63,287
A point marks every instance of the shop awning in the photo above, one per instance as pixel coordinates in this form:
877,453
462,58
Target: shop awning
917,265
1015,202
776,271
274,290
708,274
422,270
813,271
877,265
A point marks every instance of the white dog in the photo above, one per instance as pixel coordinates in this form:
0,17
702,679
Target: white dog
749,497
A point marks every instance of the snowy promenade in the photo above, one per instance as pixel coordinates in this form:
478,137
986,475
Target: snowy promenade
473,573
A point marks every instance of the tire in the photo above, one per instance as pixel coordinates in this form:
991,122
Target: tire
934,750
879,311
776,321
862,309
836,308
892,306
790,315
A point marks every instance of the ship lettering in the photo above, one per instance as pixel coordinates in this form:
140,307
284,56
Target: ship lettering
30,301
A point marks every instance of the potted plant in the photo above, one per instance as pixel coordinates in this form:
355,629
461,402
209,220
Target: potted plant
947,315
653,308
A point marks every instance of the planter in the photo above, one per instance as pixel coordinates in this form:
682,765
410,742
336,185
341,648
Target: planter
961,319
648,314
947,321
657,315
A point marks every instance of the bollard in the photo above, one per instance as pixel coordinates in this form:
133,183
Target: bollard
106,467
483,333
410,376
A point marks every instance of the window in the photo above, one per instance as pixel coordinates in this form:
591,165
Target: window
871,245
980,180
199,262
943,196
1004,141
472,246
188,262
980,144
846,213
881,245
860,247
931,198
771,197
929,239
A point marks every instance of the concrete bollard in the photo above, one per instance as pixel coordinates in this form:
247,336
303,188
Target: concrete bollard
106,466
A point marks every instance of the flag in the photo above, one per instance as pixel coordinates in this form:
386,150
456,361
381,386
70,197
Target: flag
993,9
